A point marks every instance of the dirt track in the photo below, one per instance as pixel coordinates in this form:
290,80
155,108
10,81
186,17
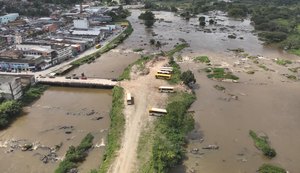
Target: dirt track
146,95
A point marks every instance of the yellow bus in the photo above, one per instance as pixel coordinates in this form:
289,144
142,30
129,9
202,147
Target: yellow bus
166,89
163,76
98,46
157,112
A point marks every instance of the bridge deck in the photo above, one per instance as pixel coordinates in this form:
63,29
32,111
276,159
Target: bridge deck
101,83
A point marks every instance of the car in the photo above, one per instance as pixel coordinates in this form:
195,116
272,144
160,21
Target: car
75,77
51,76
68,77
84,78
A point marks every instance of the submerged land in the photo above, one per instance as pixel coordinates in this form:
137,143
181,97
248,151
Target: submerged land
240,114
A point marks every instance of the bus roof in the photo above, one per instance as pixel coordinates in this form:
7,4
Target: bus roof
128,96
166,68
163,74
166,87
158,110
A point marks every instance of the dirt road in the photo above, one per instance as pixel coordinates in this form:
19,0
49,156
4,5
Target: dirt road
145,93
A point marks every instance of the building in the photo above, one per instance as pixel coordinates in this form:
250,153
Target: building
55,52
98,19
64,52
14,60
8,18
81,23
10,87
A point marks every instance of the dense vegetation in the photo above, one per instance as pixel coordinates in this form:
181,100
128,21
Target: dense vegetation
188,77
202,59
33,93
220,73
75,155
116,128
11,109
262,144
148,17
168,148
8,111
268,168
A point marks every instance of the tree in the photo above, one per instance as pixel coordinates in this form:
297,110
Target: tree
158,44
211,21
188,77
202,23
201,19
152,41
148,17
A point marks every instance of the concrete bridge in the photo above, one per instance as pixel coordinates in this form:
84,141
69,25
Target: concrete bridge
88,83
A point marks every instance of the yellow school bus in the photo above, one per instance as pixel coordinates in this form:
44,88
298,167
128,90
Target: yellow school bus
163,76
97,46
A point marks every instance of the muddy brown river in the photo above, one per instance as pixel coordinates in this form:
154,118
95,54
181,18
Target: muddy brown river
66,115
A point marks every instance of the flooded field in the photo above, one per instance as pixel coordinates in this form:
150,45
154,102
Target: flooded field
267,101
61,117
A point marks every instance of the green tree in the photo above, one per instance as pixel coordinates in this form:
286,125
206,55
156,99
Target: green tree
201,19
148,17
188,77
152,41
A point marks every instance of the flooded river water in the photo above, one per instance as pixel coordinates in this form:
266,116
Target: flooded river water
273,108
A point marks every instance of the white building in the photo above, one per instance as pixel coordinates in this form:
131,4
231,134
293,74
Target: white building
81,24
24,47
64,52
10,87
8,18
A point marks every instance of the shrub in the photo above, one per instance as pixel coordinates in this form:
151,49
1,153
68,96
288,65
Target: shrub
188,77
268,168
203,59
262,144
75,155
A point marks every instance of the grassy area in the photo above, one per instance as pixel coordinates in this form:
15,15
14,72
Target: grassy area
75,155
283,62
170,131
138,50
176,68
220,73
175,79
203,59
268,168
262,144
144,151
263,67
114,43
116,129
33,93
219,87
177,48
140,63
295,51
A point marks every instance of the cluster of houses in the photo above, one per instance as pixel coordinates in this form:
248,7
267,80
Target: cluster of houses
38,43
